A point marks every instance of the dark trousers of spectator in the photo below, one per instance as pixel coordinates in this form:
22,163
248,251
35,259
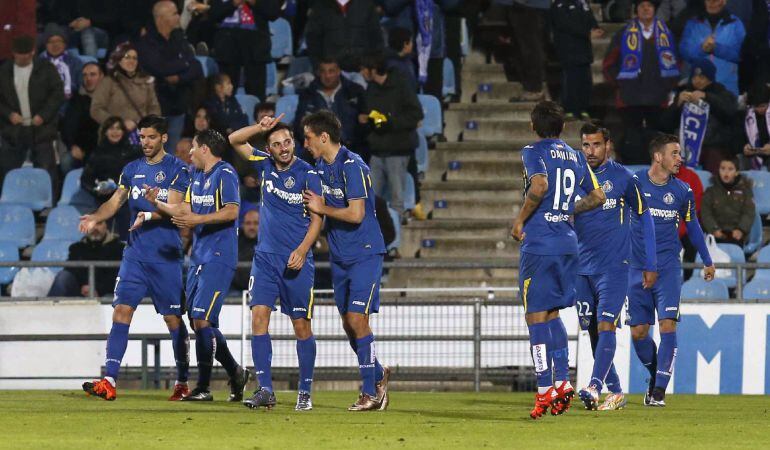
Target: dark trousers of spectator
454,49
65,285
255,77
434,85
576,83
525,56
41,153
640,124
411,167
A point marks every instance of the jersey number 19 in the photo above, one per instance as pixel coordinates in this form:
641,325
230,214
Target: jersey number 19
564,185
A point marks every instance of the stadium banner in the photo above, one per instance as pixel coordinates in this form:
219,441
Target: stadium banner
723,349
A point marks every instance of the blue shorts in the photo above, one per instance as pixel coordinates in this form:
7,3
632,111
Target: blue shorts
547,282
663,297
271,279
600,297
207,286
162,282
357,284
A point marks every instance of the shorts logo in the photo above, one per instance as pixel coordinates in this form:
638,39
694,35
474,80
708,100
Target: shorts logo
668,198
672,308
605,313
199,310
359,303
289,183
159,177
207,185
607,186
299,309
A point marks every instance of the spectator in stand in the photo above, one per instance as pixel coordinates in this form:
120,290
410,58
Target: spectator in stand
247,240
400,54
331,91
718,140
728,209
243,40
31,96
126,91
641,62
79,131
716,35
343,29
198,26
89,22
225,109
693,180
757,44
165,54
98,245
757,125
102,170
574,26
393,114
68,66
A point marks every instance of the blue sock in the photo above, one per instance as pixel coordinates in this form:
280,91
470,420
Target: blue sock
262,355
116,348
559,350
180,341
666,357
366,364
539,337
605,352
205,347
646,351
223,354
378,372
306,359
612,381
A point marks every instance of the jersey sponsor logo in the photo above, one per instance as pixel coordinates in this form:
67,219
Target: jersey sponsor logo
607,186
335,192
289,183
556,218
159,177
141,175
664,213
668,198
203,200
288,197
207,185
136,192
610,203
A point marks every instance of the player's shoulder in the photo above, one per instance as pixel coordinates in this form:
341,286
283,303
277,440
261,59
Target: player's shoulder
620,171
227,169
681,185
350,158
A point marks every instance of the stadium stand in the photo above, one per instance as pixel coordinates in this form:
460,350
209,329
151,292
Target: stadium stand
431,108
287,104
17,225
247,102
736,255
757,289
72,194
280,38
29,187
697,288
62,224
51,251
8,252
761,186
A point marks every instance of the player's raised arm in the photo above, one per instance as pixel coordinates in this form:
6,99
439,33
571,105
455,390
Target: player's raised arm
107,210
239,139
695,233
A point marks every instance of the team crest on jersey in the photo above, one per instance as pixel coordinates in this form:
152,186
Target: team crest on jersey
607,186
668,198
159,177
207,185
289,182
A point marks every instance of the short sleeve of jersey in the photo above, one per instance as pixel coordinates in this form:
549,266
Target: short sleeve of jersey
687,210
589,182
355,181
228,187
181,180
258,158
533,162
634,196
124,182
313,182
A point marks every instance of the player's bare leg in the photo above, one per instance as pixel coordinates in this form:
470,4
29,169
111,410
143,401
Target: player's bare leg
361,333
116,348
306,352
262,353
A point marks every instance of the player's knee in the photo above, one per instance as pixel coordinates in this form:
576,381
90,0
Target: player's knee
667,326
639,332
173,322
359,324
302,329
122,314
201,324
260,320
606,326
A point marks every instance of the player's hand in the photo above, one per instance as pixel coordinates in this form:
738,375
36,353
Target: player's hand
87,223
151,194
517,232
649,279
297,259
186,220
268,122
313,201
138,222
737,235
708,272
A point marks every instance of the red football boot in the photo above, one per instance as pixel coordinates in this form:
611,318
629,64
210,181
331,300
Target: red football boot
542,403
180,390
101,388
563,401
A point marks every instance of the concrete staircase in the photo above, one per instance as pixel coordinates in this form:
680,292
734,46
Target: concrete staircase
474,184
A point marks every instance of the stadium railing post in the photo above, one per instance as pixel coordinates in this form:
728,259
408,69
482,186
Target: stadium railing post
477,344
91,281
244,311
739,282
156,349
144,364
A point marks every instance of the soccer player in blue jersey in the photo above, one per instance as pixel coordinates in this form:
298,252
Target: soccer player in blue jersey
670,200
548,263
283,261
210,210
356,247
152,261
604,254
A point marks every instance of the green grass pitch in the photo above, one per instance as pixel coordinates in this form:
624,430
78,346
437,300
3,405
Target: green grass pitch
144,419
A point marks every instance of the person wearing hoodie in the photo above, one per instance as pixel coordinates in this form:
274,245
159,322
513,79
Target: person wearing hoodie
728,209
113,151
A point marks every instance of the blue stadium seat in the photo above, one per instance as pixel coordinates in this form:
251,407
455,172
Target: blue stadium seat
271,87
101,53
736,256
432,123
355,77
757,289
280,38
53,250
465,44
761,188
409,192
247,102
298,65
8,252
29,187
755,236
763,257
421,153
72,194
449,87
62,224
705,177
17,225
85,59
696,288
287,105
397,226
208,65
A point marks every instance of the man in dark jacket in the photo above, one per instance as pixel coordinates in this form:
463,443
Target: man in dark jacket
31,94
337,94
78,129
344,30
98,245
243,40
165,54
394,113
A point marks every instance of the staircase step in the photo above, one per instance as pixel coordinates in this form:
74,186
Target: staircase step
478,209
502,129
600,46
480,170
498,91
413,234
458,116
477,74
471,247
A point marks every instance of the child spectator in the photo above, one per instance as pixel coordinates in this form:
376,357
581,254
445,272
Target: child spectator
225,109
728,208
399,54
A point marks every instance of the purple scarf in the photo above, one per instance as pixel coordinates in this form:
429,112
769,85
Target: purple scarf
424,10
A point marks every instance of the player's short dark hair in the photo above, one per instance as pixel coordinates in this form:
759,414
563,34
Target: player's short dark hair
264,106
660,141
592,128
212,139
547,119
375,61
278,127
158,123
324,122
398,37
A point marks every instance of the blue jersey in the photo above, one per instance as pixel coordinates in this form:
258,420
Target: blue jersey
283,218
669,204
549,230
157,240
347,178
209,192
603,233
